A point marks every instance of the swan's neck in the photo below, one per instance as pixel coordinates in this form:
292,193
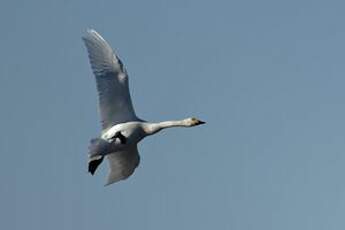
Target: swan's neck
152,128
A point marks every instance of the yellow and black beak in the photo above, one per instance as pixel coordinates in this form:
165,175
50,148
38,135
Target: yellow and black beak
200,122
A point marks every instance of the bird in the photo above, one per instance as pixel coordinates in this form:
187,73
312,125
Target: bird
122,129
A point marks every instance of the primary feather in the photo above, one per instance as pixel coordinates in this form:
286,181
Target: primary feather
115,103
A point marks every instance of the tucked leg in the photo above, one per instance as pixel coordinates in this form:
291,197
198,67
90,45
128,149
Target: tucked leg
121,137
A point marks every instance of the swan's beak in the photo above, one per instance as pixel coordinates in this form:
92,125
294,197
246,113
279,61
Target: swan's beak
200,122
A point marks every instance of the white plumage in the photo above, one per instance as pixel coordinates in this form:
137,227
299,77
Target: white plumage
122,129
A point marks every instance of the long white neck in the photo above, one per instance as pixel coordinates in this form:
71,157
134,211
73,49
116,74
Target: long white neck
152,128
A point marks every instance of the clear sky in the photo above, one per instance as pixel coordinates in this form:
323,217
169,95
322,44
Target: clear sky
267,76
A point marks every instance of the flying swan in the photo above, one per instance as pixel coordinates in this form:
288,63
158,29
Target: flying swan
121,128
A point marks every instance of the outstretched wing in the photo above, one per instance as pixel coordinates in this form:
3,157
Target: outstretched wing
115,103
122,164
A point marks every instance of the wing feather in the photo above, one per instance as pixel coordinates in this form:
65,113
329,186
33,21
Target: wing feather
115,105
122,164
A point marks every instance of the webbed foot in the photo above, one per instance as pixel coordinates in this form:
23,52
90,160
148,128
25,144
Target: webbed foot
94,163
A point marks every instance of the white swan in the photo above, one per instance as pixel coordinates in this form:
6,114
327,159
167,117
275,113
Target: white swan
122,129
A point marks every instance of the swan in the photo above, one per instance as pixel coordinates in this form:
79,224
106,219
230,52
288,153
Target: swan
121,128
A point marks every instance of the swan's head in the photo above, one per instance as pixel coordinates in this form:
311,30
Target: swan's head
194,122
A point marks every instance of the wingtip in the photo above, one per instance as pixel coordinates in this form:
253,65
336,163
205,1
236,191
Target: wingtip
89,32
108,183
92,34
111,181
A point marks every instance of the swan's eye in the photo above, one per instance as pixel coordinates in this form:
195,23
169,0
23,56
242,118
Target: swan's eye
196,121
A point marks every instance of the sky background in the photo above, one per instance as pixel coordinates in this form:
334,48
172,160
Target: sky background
267,76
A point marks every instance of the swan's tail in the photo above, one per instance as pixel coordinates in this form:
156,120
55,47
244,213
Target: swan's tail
98,148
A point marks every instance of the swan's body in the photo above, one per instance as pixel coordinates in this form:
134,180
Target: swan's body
122,129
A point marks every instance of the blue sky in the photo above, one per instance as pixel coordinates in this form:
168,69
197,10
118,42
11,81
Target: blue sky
267,76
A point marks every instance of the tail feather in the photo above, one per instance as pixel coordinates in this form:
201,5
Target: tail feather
98,148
